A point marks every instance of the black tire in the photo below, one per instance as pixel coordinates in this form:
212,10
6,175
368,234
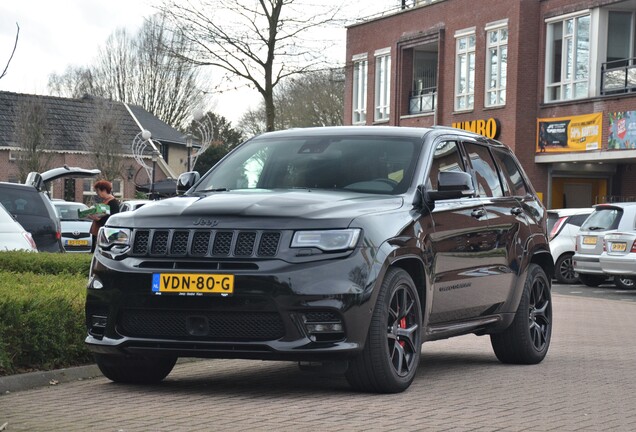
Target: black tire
134,369
391,353
591,280
527,339
564,270
624,283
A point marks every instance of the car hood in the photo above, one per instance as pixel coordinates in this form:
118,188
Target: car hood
258,209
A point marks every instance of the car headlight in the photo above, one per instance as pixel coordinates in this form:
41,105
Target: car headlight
327,240
109,237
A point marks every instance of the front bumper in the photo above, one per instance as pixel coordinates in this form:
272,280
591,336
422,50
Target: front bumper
316,310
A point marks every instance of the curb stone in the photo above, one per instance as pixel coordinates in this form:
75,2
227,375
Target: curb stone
25,381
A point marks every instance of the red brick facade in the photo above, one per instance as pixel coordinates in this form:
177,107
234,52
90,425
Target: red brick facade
435,26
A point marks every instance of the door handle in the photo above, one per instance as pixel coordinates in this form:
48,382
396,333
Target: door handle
478,213
516,211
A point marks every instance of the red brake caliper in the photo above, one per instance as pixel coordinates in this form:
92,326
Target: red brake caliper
402,324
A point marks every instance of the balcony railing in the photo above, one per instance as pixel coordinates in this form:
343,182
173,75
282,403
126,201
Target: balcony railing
422,101
618,76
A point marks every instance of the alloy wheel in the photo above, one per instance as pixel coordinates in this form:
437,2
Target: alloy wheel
540,316
402,331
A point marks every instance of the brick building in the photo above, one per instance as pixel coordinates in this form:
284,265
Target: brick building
553,79
71,122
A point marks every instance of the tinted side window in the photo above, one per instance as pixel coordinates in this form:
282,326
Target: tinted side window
446,157
485,170
511,173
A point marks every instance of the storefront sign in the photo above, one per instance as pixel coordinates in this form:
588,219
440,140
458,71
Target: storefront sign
489,128
622,130
570,134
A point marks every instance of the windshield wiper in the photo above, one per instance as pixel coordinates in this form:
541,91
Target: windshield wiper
214,190
595,228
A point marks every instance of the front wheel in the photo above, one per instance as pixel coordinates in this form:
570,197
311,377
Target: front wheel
135,369
527,339
391,353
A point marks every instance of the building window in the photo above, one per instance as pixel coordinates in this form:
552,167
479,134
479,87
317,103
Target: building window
496,65
568,58
360,67
619,71
382,84
465,70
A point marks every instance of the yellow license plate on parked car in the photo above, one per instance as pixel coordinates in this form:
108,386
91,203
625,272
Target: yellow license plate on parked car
618,247
192,283
77,243
589,240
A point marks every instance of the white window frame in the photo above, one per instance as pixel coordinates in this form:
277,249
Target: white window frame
566,88
359,97
382,85
496,82
465,56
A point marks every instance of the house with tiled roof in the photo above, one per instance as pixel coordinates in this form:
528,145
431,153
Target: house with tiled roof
68,124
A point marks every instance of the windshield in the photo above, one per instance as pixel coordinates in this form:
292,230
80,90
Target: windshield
69,211
382,165
603,219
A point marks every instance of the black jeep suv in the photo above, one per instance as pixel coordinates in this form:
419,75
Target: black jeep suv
344,245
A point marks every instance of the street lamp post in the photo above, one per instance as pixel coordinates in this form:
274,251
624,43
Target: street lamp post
155,155
189,147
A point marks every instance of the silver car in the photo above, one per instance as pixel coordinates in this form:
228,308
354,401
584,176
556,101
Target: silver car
606,219
619,254
12,235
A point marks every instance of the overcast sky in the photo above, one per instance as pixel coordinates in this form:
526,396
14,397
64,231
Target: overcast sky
55,34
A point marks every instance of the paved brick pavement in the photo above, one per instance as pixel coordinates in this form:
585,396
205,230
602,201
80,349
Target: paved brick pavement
586,383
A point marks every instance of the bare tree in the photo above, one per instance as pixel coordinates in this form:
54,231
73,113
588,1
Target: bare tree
139,70
312,99
15,45
30,135
104,141
75,82
259,41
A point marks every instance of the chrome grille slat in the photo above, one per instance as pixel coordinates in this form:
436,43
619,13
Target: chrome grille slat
205,243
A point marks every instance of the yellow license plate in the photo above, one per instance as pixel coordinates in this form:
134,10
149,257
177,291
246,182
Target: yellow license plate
619,247
192,283
589,240
77,243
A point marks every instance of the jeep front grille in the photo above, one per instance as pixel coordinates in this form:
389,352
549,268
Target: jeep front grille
205,243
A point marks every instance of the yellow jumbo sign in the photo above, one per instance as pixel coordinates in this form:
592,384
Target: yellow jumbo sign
570,134
489,128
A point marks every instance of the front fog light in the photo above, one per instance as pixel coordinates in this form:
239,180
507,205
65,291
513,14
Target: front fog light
324,326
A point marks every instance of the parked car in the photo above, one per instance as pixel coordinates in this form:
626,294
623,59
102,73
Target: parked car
32,208
345,245
12,235
131,205
563,226
605,219
619,256
76,236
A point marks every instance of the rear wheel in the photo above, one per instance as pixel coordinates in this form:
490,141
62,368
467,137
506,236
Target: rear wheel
527,339
135,369
591,280
624,283
565,270
391,353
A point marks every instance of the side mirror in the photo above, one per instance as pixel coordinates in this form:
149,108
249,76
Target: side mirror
186,181
452,185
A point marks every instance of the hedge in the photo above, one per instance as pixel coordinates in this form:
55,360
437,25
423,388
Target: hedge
42,311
